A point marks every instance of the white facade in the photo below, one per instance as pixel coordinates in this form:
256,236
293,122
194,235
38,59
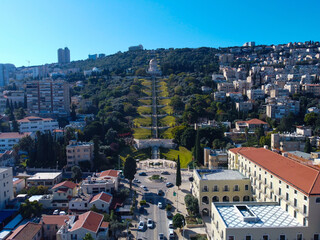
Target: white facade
9,139
34,124
6,186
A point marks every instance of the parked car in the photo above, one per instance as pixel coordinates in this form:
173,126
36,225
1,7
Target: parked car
169,184
160,192
171,235
150,223
169,215
145,188
160,205
56,212
161,236
62,213
170,224
142,174
165,173
136,180
141,225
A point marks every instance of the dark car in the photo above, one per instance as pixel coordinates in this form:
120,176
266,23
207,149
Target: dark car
169,215
160,192
165,173
142,174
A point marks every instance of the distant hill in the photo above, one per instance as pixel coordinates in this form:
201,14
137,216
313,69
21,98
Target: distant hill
170,60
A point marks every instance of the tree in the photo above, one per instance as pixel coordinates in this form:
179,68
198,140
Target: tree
197,149
178,220
73,113
76,173
96,149
15,126
192,204
178,175
88,237
31,209
130,169
307,147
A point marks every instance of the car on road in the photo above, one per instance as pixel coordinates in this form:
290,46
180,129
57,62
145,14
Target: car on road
150,223
165,173
170,224
160,205
136,180
160,192
62,213
169,184
145,188
169,215
161,236
56,212
171,235
142,174
141,225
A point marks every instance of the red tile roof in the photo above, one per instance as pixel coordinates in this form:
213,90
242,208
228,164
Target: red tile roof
105,224
253,121
33,119
90,221
18,181
111,173
6,135
54,219
25,232
296,173
103,197
66,184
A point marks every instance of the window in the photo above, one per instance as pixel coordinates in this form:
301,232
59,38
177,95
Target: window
226,188
317,200
299,236
305,198
279,191
282,237
316,236
215,188
225,199
248,237
265,237
287,186
287,207
246,187
304,209
205,200
304,221
236,188
231,238
215,199
295,192
295,214
295,202
265,181
102,205
279,182
205,189
271,185
287,196
259,176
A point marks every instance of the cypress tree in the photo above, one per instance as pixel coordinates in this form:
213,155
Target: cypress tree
178,175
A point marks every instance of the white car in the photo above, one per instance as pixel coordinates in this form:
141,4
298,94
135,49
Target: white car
150,223
160,204
62,213
56,212
141,225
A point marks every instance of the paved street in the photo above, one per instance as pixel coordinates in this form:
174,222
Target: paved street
152,211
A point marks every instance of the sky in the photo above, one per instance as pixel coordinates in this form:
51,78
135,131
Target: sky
31,31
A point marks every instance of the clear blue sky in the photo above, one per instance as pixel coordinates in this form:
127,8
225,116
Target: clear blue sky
34,29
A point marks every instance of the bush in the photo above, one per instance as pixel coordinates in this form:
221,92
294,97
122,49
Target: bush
143,202
192,204
168,207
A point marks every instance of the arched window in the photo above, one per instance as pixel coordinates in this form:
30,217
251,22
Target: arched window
205,200
246,198
205,188
236,188
215,188
225,199
236,199
215,199
226,188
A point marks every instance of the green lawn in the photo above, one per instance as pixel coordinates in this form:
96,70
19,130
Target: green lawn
184,154
166,110
164,101
163,94
144,110
147,92
166,133
142,121
167,121
136,154
146,82
141,133
145,101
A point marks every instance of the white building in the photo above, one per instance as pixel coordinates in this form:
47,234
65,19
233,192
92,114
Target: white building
47,179
102,201
6,186
9,139
34,124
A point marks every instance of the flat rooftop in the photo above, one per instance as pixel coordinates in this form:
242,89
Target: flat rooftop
220,174
268,215
45,175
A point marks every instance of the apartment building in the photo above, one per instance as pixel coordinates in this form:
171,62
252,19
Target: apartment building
48,97
79,152
312,89
214,158
33,124
251,125
6,183
47,179
225,87
277,108
244,106
219,185
220,96
294,184
288,141
235,96
9,139
254,94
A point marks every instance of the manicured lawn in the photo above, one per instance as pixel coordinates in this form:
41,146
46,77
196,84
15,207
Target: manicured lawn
145,101
136,154
167,121
166,133
166,110
163,94
142,121
164,101
147,92
141,133
146,82
144,110
171,154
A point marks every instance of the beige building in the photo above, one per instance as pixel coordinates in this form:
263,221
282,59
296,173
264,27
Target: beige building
79,152
219,185
250,221
214,158
47,179
294,184
312,89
